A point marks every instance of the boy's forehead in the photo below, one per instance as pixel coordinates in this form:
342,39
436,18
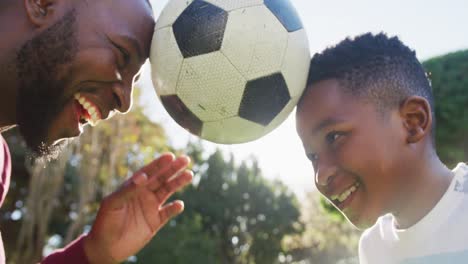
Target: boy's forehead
322,101
324,96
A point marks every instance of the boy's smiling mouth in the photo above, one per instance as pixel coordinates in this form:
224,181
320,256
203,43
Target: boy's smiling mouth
342,199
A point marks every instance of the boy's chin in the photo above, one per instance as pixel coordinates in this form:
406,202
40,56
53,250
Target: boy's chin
359,222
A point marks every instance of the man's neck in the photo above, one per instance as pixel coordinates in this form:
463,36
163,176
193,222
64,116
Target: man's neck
429,183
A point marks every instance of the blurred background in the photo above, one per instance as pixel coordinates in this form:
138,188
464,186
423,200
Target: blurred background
249,203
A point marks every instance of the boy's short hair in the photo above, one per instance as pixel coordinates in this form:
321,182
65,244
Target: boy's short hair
376,68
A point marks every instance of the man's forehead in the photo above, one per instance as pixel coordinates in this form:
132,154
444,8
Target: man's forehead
132,20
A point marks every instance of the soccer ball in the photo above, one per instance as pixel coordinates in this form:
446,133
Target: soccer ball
229,71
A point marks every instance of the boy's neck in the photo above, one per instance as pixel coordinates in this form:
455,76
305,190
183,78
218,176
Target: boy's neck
426,188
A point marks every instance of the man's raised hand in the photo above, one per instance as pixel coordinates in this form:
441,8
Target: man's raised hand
129,218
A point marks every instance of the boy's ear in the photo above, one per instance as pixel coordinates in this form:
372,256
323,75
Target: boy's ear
417,118
40,12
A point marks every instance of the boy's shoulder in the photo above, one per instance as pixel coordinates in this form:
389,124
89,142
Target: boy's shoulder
381,230
461,175
446,222
370,243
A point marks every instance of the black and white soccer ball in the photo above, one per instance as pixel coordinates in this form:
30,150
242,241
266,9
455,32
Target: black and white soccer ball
229,71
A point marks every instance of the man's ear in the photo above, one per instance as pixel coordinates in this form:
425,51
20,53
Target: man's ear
40,12
417,117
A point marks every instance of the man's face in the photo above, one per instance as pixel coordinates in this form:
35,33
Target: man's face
81,70
355,151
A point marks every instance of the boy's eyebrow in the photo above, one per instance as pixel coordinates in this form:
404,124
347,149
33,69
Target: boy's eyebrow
325,123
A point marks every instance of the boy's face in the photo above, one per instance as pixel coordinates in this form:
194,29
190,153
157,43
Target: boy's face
356,151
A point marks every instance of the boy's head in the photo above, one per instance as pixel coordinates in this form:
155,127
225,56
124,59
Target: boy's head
366,121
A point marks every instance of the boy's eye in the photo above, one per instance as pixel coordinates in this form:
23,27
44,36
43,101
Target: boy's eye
312,157
332,137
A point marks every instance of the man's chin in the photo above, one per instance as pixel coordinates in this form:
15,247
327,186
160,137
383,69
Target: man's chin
46,152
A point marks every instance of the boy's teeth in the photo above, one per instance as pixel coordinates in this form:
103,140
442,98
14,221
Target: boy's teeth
343,196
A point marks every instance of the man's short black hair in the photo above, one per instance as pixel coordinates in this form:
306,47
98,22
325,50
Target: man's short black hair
376,68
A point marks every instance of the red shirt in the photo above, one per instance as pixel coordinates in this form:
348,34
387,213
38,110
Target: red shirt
72,254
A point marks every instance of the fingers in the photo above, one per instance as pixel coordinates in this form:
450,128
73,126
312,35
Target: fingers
159,176
170,210
158,163
173,185
118,199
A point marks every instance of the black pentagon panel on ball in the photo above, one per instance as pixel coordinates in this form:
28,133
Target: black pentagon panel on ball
264,98
286,14
181,114
200,29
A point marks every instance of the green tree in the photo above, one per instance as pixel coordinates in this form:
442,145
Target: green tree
449,76
243,217
327,237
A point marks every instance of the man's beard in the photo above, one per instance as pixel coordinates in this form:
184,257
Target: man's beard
41,86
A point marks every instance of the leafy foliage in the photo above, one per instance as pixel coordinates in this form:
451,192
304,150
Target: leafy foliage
449,75
327,238
243,215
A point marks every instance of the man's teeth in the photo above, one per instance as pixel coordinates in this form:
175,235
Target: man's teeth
90,108
344,195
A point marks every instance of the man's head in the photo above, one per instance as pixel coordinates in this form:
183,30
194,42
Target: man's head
365,119
78,66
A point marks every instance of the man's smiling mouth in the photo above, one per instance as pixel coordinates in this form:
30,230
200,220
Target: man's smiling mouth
90,113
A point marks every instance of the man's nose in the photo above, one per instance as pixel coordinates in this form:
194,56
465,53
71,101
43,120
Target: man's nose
325,171
122,92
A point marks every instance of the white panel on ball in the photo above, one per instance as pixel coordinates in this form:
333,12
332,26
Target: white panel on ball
210,86
171,12
296,63
229,5
166,61
255,41
231,131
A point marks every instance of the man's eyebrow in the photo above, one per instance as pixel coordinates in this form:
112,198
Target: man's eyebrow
135,45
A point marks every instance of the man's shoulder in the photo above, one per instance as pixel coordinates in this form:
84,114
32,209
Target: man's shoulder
3,155
5,169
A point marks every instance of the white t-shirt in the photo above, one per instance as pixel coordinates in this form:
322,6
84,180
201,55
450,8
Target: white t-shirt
441,237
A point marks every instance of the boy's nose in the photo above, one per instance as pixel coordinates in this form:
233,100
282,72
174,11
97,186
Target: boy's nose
325,172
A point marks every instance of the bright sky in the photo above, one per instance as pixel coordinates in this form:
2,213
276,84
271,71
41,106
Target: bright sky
431,27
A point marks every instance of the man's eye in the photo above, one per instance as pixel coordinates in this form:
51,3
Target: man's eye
125,56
